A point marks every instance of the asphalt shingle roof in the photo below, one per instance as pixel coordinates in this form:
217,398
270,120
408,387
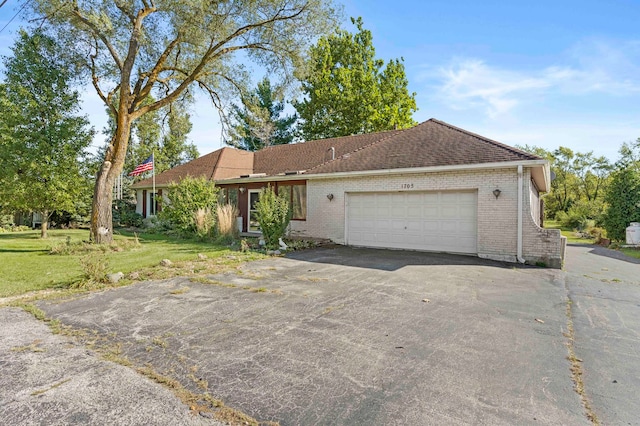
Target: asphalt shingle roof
431,143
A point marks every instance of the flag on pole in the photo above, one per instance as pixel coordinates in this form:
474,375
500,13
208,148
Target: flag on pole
145,166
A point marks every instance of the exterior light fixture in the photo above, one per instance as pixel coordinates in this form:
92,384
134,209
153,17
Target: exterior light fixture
330,197
497,193
242,189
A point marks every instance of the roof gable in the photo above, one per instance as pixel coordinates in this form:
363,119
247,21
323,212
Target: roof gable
224,163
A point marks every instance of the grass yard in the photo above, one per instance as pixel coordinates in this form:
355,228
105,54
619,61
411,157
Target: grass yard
572,236
633,252
27,265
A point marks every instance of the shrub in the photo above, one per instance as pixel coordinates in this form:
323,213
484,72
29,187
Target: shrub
227,215
273,215
185,199
6,221
581,215
623,198
94,269
204,221
597,234
131,219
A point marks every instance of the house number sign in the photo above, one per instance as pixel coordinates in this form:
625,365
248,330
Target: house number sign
406,186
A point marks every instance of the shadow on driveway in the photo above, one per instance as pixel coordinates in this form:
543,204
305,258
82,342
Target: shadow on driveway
391,260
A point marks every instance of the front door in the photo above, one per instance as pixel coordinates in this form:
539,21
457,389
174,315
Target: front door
254,196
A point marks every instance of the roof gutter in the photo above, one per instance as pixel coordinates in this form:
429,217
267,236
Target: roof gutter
385,172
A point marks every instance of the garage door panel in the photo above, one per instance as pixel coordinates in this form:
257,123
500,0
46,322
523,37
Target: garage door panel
435,221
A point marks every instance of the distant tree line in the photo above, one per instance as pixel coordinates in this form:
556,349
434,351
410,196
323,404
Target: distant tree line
589,191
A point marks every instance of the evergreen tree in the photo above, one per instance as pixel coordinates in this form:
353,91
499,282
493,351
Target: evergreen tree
259,123
623,198
347,91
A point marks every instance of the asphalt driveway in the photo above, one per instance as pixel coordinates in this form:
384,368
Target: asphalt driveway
605,290
354,336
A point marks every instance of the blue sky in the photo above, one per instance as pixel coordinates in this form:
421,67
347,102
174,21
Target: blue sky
544,73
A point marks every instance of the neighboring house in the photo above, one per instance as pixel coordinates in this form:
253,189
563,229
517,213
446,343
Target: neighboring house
433,187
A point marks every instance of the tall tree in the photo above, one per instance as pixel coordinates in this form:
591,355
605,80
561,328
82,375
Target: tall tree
347,92
164,133
259,123
165,48
42,137
623,199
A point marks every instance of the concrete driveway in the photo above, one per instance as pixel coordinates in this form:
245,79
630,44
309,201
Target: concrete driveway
605,290
355,336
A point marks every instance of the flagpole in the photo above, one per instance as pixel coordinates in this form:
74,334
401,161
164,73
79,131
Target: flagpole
153,171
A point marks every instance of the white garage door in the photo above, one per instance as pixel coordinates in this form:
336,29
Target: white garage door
434,221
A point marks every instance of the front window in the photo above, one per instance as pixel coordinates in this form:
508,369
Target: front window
297,196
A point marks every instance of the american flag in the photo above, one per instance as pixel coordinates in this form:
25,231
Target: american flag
145,166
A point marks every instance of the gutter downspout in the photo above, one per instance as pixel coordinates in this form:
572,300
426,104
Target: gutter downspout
520,195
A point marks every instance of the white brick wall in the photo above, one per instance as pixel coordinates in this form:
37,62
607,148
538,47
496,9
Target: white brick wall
497,225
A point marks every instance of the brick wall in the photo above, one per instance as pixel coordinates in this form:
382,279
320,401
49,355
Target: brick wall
540,245
497,225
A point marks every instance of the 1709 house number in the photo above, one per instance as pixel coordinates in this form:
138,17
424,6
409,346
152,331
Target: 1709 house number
406,186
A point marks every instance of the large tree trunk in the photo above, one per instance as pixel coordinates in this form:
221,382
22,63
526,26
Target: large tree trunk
101,216
44,223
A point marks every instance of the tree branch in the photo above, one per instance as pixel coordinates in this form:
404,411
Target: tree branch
215,51
97,33
139,92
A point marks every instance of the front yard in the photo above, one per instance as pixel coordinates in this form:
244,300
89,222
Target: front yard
26,262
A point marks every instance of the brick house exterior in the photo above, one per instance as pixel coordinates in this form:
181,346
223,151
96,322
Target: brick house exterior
431,187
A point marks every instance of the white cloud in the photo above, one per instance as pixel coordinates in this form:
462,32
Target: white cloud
598,67
473,83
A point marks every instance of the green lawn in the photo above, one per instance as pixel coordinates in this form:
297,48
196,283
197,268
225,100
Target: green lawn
633,252
571,235
26,265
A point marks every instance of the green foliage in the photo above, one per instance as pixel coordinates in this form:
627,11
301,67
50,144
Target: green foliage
165,134
131,50
94,270
185,199
258,123
124,214
582,214
623,198
581,179
348,92
273,215
42,139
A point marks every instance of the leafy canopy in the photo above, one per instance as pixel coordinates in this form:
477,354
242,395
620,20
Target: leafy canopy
42,138
259,123
165,134
132,50
347,91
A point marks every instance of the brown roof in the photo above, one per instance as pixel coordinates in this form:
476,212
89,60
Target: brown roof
431,143
224,163
304,156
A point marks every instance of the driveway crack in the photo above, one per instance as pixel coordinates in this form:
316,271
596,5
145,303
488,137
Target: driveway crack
576,363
